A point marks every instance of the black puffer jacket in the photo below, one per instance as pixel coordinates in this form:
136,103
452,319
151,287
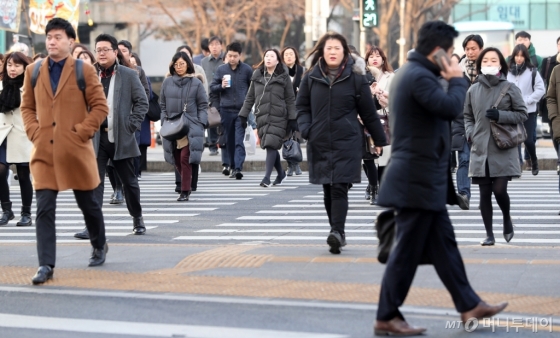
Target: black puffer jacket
328,119
274,105
175,92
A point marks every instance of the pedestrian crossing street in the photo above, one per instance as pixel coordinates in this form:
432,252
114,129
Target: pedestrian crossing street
159,205
262,215
302,218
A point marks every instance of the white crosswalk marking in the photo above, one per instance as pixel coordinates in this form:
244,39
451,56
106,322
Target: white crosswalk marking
158,202
534,210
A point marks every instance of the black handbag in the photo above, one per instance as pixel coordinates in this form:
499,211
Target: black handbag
176,127
154,109
385,229
505,135
291,151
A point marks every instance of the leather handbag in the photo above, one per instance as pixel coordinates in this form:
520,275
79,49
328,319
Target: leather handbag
154,109
291,151
177,127
385,123
506,135
214,118
385,229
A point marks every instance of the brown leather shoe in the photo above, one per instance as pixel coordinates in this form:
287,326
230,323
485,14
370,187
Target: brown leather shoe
396,327
483,310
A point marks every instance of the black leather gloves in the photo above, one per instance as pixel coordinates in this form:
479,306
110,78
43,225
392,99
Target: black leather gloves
493,114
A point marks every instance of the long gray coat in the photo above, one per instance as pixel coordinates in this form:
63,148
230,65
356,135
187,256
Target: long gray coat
174,93
480,97
275,104
130,106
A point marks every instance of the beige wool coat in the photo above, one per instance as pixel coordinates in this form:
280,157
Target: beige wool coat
60,127
12,130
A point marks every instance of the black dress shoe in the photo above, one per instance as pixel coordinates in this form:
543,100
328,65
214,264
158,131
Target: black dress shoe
488,241
98,256
82,235
25,220
44,273
138,227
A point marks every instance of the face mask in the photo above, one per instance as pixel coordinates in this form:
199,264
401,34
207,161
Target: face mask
492,70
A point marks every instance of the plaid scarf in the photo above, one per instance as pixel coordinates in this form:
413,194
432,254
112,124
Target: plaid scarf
470,69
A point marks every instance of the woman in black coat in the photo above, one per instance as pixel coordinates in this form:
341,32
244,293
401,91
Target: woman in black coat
331,96
290,58
272,95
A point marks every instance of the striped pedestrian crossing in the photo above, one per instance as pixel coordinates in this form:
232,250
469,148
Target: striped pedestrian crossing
159,204
535,202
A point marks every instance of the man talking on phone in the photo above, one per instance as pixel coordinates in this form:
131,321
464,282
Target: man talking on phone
418,184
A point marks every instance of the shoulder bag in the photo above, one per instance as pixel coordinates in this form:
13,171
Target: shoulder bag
177,127
505,135
214,118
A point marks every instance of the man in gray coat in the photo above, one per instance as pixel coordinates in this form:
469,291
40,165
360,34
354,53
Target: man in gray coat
115,140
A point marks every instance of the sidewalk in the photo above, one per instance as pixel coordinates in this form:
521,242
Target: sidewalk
545,153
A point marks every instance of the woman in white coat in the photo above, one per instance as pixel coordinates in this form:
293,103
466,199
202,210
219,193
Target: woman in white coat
15,146
382,72
527,78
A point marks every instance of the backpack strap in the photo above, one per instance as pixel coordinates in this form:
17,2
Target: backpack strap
533,76
79,70
35,74
502,94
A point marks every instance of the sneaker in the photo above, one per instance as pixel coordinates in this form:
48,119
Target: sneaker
463,201
290,170
214,152
225,171
232,173
238,174
279,179
298,170
335,242
528,165
265,183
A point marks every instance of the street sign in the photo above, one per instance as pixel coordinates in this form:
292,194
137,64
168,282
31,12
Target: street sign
369,13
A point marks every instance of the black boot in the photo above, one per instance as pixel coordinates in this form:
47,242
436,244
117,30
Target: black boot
373,199
25,220
368,192
7,214
118,199
138,227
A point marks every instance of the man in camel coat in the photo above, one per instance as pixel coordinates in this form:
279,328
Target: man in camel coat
56,118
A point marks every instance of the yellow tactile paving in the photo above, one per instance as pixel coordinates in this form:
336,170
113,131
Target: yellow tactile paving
262,287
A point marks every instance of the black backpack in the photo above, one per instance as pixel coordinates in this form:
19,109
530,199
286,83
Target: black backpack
79,75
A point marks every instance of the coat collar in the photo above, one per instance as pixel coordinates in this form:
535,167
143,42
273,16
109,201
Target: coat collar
484,80
422,60
66,71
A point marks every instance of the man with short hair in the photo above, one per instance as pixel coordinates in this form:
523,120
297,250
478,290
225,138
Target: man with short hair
116,141
546,71
472,45
197,59
232,94
60,122
210,63
421,114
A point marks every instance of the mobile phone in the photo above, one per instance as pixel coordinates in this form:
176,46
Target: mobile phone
439,55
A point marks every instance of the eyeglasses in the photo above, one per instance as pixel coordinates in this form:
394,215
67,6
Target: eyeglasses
180,65
103,50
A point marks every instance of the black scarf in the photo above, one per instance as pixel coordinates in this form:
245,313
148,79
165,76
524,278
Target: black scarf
516,69
10,98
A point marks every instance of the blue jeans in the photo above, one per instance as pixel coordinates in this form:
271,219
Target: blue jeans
234,139
463,180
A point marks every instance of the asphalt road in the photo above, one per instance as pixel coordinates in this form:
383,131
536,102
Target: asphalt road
239,260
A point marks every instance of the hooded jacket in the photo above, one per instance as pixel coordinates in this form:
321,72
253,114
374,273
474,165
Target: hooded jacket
328,119
274,102
480,97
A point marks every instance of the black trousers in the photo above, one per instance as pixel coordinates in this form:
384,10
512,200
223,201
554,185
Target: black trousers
114,178
125,171
335,197
45,222
423,233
